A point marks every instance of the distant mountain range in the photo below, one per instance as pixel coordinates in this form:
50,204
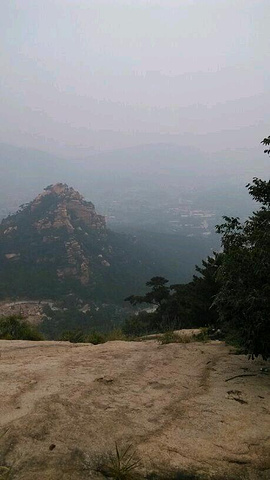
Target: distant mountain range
140,190
24,172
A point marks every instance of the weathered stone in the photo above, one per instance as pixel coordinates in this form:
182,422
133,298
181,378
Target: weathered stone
62,209
170,402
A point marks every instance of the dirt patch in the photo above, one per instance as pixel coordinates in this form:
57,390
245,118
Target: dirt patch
65,405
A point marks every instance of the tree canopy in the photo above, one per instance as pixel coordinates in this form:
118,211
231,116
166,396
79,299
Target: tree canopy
178,305
232,288
243,301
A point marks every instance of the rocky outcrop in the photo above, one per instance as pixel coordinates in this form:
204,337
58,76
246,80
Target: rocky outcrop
57,218
70,210
184,407
58,244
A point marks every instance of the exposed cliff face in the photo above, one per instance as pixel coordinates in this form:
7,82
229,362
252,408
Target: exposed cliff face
58,206
70,209
58,215
57,244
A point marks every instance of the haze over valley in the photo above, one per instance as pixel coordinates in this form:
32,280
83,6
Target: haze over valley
169,196
134,240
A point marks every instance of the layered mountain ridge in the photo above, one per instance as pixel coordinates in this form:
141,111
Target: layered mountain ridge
71,208
59,210
57,244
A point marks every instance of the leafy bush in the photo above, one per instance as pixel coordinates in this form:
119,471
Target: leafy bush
178,306
243,302
15,328
95,338
69,318
203,336
234,339
232,290
73,336
140,324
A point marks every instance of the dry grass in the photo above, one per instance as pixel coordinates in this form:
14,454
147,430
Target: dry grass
121,464
173,337
4,473
177,337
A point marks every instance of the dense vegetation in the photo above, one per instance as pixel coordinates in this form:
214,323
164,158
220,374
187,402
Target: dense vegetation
69,317
230,291
178,306
233,289
32,257
15,328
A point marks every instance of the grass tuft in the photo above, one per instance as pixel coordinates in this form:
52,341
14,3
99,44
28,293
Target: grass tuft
121,464
4,472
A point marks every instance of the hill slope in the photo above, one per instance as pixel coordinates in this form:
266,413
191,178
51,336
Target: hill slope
57,244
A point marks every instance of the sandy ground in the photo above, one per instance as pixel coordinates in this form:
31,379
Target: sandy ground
64,405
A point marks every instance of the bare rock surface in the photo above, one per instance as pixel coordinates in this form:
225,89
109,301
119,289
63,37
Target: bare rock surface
63,406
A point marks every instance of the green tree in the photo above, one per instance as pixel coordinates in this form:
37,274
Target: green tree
158,294
266,143
162,318
180,305
202,291
243,301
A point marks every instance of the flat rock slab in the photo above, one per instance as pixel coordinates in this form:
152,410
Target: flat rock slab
63,406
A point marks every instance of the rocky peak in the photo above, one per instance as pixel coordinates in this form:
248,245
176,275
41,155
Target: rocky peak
64,191
57,220
58,245
60,206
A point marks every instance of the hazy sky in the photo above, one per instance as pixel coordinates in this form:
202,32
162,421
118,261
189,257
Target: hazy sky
78,75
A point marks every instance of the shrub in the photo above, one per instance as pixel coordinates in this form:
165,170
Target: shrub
140,324
203,336
173,337
116,334
73,336
15,328
95,338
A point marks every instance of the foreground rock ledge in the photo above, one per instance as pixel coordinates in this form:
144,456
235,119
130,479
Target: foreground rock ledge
64,405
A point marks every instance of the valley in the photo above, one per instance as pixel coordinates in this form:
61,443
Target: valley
134,240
